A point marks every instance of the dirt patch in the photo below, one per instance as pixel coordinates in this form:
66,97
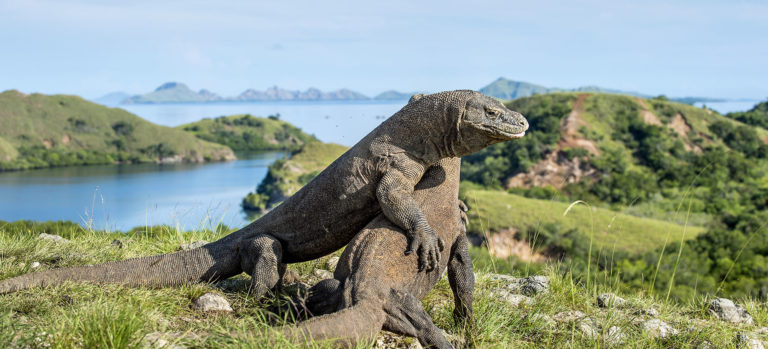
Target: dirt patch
569,129
47,143
648,117
65,139
682,128
555,170
503,244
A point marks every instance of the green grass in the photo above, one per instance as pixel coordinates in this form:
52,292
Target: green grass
249,133
58,130
77,315
494,211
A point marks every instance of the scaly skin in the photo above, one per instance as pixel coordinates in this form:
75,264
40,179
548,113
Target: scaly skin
377,175
376,287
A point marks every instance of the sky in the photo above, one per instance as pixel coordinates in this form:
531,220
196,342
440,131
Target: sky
676,48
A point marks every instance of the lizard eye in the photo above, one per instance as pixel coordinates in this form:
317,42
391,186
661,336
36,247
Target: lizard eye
493,113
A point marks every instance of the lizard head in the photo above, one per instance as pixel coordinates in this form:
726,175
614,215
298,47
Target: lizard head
486,121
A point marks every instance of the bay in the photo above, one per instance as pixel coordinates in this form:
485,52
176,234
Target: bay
186,196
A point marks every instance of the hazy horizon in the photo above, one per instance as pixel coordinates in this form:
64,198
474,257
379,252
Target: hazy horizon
91,48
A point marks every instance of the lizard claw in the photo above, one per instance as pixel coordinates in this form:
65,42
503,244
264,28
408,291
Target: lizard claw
428,245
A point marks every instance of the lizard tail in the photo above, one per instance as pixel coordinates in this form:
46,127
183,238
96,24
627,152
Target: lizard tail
360,322
207,263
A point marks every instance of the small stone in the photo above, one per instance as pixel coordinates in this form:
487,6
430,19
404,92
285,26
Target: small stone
724,309
291,276
659,329
650,312
211,302
117,243
323,274
749,341
587,328
35,265
54,238
569,316
529,286
607,300
193,245
514,300
615,336
534,285
332,263
762,330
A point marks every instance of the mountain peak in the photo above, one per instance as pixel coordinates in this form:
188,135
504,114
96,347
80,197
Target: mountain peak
170,86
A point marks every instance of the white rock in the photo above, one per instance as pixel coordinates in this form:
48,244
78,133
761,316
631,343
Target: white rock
749,341
323,274
724,309
211,302
54,238
588,328
514,300
659,329
529,286
332,263
193,245
35,265
615,336
607,300
650,312
569,316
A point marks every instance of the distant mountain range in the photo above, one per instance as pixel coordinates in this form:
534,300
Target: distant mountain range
507,89
176,92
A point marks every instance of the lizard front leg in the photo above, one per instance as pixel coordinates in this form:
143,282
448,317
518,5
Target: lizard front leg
395,194
261,257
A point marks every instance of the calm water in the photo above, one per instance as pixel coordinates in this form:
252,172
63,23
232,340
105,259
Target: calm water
331,121
729,106
120,197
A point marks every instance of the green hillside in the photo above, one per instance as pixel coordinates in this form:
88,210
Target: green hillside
494,210
43,131
286,177
249,133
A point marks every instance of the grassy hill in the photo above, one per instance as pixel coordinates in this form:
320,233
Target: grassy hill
249,133
78,315
286,177
493,211
42,131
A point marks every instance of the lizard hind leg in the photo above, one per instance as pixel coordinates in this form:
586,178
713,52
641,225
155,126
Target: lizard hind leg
406,316
261,257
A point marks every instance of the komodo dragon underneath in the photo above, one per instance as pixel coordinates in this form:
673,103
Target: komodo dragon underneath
377,175
375,287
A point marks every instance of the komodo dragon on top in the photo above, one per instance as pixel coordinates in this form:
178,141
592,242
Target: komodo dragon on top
377,175
375,287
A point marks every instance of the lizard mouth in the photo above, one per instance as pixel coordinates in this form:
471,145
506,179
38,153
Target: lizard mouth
510,135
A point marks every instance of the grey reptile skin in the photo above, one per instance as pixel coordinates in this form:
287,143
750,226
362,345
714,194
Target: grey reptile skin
375,287
377,175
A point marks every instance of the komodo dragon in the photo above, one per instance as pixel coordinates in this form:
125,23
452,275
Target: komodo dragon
375,287
377,175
